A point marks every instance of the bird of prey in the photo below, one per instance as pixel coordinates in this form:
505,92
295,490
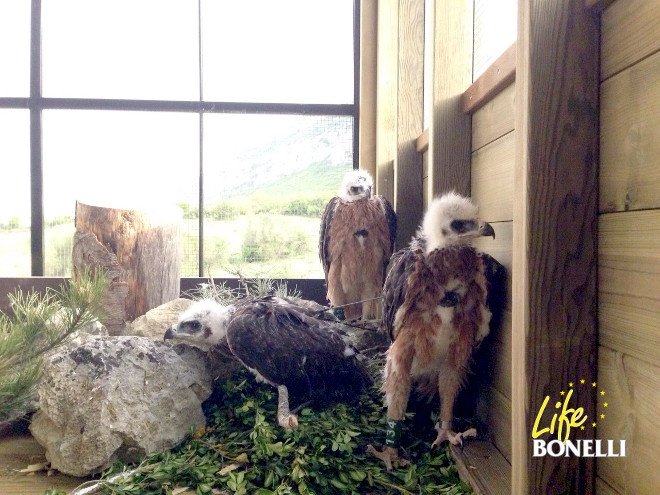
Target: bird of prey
439,297
356,241
283,344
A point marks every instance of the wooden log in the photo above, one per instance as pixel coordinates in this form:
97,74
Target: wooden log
140,252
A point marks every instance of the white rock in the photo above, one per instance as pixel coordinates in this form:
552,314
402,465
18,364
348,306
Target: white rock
155,321
116,398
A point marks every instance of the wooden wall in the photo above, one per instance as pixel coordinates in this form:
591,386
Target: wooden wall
491,185
629,245
493,152
400,110
528,156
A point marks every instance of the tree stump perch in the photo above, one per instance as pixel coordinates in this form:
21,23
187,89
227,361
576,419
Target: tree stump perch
140,253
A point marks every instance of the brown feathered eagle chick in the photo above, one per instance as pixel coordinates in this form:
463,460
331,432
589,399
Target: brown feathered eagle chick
438,297
283,343
356,241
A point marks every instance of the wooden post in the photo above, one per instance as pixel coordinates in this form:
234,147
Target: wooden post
386,110
450,130
400,110
554,237
410,120
141,254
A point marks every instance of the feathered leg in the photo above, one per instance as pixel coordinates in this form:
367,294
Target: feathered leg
397,385
450,379
371,307
284,416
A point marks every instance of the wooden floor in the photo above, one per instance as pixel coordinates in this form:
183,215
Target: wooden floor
18,450
483,467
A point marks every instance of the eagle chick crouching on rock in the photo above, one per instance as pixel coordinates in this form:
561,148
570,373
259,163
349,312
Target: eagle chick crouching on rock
440,297
356,241
282,343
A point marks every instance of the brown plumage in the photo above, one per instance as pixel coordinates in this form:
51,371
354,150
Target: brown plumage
438,297
356,242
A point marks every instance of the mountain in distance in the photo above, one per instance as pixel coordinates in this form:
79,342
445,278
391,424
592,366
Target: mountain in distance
307,160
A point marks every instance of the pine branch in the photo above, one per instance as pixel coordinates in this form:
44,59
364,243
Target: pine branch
41,324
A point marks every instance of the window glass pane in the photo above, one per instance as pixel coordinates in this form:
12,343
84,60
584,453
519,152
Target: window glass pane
15,193
267,179
14,48
495,30
133,49
289,51
132,160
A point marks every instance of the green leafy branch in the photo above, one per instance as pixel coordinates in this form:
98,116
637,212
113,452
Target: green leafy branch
244,451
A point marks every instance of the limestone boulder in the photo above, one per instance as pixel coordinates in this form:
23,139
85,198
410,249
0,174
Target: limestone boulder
155,321
117,398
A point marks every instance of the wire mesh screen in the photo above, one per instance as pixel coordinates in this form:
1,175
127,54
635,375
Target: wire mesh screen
144,161
266,180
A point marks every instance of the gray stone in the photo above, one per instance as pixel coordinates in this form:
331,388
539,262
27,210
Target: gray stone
117,398
155,321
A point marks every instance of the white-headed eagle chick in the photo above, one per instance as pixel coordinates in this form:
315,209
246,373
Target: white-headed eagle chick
439,297
356,242
283,344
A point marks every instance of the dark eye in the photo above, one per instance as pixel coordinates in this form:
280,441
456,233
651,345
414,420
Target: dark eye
462,226
195,325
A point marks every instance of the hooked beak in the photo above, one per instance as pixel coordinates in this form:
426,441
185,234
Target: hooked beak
486,230
170,333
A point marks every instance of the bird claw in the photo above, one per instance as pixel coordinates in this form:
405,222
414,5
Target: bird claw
288,422
388,455
445,434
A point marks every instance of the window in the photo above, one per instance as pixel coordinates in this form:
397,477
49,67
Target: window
243,114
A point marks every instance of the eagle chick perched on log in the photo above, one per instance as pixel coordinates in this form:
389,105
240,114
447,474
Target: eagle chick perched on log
281,342
356,241
438,298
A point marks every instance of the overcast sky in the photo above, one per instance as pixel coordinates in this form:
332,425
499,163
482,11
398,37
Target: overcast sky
292,51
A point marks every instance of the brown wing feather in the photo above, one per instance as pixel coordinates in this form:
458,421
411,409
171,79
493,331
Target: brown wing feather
324,235
395,287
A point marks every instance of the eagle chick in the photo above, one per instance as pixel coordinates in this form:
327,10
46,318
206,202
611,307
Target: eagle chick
356,241
438,297
283,344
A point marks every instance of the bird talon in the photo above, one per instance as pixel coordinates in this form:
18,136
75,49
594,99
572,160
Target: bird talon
388,455
445,434
289,422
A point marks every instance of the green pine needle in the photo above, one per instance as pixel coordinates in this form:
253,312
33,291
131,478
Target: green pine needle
38,325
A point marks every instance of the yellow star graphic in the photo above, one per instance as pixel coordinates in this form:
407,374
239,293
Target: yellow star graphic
605,405
582,381
593,384
582,427
593,424
570,384
602,416
602,392
562,392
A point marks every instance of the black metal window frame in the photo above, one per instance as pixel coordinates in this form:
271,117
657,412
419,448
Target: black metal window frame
35,103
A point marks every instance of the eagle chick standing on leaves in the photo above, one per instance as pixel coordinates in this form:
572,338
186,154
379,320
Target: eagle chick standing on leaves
439,297
356,241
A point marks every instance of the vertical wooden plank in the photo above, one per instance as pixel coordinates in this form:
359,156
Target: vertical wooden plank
450,129
386,94
554,239
368,74
410,116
